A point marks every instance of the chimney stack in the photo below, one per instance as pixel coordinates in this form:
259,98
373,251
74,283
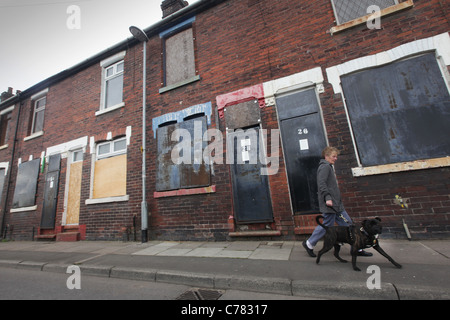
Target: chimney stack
7,94
169,7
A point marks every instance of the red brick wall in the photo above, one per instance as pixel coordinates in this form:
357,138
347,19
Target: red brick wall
244,43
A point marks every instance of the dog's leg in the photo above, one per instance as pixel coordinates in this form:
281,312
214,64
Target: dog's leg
337,248
326,248
354,252
384,254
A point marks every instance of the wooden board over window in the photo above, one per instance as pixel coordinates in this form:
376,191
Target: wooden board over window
110,177
180,58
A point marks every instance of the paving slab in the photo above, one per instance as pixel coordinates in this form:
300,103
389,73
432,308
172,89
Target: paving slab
270,254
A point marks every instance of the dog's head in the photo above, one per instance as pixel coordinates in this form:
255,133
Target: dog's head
372,226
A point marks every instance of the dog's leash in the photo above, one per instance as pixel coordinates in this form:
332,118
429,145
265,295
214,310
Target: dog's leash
340,215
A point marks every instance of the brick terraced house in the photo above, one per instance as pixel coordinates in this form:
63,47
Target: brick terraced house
241,97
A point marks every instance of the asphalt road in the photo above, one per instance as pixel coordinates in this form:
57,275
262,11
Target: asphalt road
19,284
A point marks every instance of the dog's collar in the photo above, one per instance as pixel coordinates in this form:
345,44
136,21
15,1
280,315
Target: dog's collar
375,238
364,231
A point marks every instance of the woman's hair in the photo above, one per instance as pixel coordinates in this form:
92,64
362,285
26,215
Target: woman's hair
328,151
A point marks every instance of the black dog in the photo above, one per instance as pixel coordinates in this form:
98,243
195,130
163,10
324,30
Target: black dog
364,237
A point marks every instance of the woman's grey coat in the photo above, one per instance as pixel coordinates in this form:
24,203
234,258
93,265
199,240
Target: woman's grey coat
328,188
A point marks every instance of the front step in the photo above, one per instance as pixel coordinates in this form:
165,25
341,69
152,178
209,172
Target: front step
255,233
46,237
68,236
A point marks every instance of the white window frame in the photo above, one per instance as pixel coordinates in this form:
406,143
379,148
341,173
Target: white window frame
38,96
107,64
96,157
38,109
111,152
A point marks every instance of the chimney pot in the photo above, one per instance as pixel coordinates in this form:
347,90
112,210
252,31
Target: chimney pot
6,94
169,7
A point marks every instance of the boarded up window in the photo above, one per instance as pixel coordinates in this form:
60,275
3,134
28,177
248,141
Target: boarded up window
346,10
400,111
110,177
184,168
26,182
5,121
179,57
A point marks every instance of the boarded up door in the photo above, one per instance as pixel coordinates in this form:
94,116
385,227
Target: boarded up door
250,188
51,192
74,194
303,139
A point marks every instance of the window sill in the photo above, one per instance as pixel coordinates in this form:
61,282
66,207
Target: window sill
103,111
184,192
401,166
4,146
179,84
34,135
107,200
24,209
384,12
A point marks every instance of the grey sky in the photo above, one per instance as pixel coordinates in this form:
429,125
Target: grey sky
36,41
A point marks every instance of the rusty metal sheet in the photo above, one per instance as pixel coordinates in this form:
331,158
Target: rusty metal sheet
242,115
197,173
167,172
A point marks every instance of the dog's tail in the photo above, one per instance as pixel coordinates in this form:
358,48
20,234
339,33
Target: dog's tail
319,223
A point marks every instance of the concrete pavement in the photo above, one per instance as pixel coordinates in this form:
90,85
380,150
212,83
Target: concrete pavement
281,267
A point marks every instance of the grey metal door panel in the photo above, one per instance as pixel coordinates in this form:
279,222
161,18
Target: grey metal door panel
251,194
26,182
400,111
168,173
302,154
51,192
297,104
197,173
303,141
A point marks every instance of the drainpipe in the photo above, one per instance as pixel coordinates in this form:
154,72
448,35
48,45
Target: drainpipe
13,151
142,37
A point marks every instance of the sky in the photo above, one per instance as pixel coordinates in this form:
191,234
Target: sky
40,38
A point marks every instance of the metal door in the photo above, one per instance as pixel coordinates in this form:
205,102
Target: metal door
250,189
303,140
51,192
